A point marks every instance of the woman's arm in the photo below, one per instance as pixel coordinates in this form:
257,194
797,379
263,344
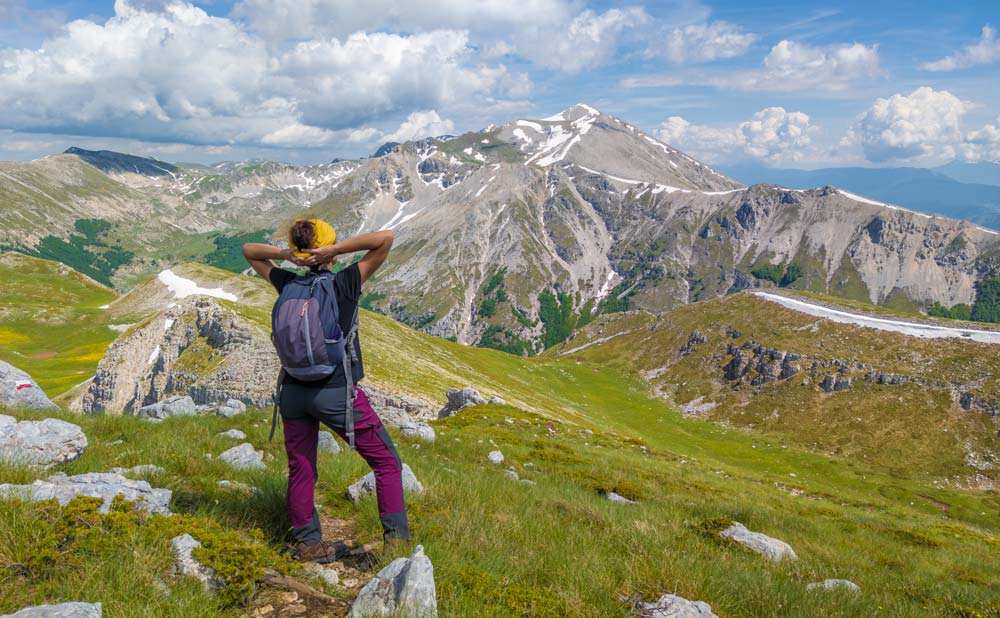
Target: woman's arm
377,244
259,256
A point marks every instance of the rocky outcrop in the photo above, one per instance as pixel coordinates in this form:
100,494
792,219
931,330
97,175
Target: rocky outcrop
979,403
60,610
231,408
18,390
327,442
198,349
235,434
771,548
104,485
673,606
366,485
187,565
696,339
459,399
244,457
755,364
618,498
404,589
50,441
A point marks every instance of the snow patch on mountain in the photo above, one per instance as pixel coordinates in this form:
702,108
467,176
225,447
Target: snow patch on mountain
182,288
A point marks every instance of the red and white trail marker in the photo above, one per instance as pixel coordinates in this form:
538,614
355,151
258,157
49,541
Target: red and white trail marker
21,384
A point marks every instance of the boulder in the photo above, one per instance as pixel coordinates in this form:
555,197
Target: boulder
366,485
172,406
460,398
418,430
404,589
495,457
325,574
18,390
186,564
328,443
244,457
834,584
104,485
50,441
61,610
231,408
496,401
620,499
773,549
673,606
235,434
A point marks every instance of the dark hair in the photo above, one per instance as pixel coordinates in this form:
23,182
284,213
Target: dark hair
302,235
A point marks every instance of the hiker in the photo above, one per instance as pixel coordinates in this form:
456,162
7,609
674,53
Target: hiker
314,386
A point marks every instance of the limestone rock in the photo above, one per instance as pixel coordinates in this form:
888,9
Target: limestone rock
186,564
834,584
244,457
50,441
366,485
235,434
18,390
418,430
673,606
104,485
404,589
620,499
325,574
460,398
231,408
773,549
496,401
226,484
171,406
61,610
328,443
495,457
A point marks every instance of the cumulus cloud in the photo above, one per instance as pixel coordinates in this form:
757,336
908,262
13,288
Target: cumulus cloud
986,51
704,42
797,66
179,74
773,135
923,126
983,145
588,41
421,124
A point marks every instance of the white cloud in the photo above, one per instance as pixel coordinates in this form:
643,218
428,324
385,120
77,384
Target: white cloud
421,124
986,51
796,66
588,41
923,126
984,144
179,74
360,136
773,135
279,20
704,42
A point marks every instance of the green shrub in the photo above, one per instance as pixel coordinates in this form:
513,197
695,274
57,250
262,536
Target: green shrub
987,306
769,272
228,254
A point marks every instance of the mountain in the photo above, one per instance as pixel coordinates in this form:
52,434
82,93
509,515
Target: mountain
111,162
512,236
982,172
951,191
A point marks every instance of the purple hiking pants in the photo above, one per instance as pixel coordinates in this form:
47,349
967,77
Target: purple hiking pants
303,408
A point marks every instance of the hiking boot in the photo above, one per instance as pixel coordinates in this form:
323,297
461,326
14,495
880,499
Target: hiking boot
321,553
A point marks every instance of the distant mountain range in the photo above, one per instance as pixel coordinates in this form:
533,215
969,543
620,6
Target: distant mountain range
514,235
958,190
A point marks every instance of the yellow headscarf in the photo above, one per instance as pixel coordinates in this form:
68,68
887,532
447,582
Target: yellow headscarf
325,235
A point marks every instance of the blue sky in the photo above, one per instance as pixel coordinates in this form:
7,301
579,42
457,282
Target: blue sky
792,84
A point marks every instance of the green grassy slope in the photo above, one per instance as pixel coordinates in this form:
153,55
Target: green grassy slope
914,429
580,424
50,322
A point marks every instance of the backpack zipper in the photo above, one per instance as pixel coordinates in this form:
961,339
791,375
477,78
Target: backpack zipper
309,345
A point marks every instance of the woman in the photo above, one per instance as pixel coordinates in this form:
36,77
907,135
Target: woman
304,405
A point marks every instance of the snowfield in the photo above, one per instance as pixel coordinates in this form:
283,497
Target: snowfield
182,288
913,329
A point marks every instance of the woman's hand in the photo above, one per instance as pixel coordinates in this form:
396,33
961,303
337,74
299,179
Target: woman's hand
288,255
322,255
